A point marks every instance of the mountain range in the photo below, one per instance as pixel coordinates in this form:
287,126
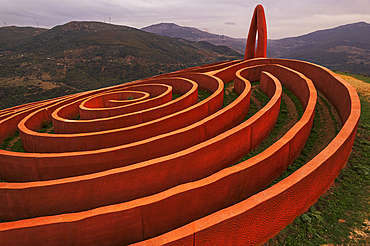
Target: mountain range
37,64
344,48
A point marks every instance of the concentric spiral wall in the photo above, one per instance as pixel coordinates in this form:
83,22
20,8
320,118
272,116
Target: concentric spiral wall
129,165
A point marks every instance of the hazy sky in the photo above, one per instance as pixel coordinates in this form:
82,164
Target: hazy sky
230,17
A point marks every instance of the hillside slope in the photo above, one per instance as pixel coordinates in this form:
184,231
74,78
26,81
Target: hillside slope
344,48
13,36
194,34
81,56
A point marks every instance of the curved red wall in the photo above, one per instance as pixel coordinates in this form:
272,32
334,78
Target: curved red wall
187,194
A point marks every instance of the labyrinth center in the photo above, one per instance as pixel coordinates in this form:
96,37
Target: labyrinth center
130,164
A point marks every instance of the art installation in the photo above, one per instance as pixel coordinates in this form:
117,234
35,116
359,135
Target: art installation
129,165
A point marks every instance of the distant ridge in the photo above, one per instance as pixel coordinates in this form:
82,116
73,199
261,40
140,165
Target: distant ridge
12,36
193,34
343,48
84,34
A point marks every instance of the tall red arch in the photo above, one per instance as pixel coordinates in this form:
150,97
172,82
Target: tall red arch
258,23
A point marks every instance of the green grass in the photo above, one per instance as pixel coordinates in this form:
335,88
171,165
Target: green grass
345,206
280,123
46,128
252,110
229,97
17,146
317,132
357,76
328,105
175,96
296,102
7,140
262,97
203,94
252,106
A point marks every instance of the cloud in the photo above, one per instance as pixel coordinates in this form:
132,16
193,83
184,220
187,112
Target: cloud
284,18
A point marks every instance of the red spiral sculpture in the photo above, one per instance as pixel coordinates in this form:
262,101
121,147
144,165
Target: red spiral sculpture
140,168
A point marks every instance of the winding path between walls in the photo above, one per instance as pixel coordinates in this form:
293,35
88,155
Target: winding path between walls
129,165
171,196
